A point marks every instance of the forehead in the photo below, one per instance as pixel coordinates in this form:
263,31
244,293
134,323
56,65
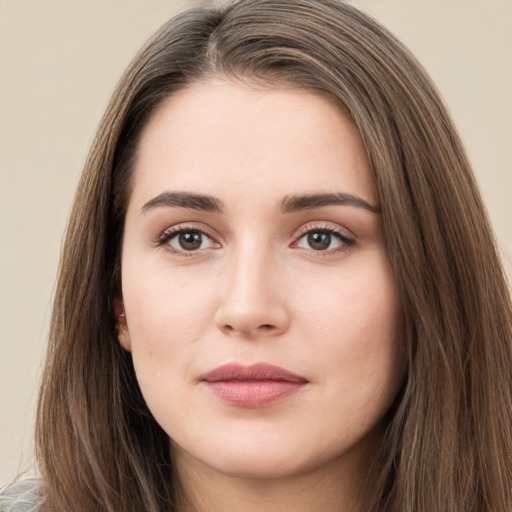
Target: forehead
220,137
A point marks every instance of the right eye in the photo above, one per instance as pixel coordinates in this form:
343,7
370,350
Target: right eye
186,240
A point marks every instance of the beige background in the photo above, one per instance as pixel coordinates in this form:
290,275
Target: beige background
59,61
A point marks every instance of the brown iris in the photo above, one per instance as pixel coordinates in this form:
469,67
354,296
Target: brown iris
190,240
318,240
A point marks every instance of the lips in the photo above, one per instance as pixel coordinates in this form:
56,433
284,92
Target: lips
252,386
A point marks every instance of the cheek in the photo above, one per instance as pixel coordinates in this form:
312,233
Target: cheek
165,310
360,303
167,321
355,319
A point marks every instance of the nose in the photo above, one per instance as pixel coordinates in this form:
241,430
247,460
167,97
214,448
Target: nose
252,297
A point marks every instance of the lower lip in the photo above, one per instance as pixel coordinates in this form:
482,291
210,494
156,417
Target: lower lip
252,394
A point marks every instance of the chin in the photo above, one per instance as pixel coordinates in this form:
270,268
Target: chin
262,460
263,467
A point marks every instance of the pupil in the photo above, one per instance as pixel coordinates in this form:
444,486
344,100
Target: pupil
319,241
190,241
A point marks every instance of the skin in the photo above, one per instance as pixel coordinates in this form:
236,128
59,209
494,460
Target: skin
257,291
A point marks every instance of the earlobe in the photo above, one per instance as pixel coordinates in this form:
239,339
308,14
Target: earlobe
124,339
123,335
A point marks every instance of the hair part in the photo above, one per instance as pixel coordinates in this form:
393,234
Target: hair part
448,439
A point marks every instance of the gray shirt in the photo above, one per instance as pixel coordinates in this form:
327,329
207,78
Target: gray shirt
20,496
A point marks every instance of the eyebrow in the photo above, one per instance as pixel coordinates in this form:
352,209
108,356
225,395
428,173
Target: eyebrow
311,201
289,204
184,200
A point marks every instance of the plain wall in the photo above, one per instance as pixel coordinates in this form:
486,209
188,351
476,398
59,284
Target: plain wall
59,62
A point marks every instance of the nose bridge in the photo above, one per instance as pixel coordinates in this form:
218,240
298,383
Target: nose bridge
251,266
251,301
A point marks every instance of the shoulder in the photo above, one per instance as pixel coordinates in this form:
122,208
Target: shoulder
21,496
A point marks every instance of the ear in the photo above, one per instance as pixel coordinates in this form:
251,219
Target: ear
123,335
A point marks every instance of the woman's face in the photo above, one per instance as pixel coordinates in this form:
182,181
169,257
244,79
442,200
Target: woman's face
262,312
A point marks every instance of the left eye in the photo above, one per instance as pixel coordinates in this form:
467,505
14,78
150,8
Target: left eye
189,240
322,240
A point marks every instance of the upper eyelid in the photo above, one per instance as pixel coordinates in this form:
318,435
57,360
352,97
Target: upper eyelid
347,239
187,227
325,226
304,228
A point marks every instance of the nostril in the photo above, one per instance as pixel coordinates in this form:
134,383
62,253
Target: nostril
262,328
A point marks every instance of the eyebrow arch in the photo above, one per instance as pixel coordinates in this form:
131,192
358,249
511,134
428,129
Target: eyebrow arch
312,201
289,204
184,200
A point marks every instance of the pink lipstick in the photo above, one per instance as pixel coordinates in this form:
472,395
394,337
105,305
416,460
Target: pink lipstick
252,386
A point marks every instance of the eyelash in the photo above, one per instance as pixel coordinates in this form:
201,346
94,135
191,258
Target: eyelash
169,234
347,242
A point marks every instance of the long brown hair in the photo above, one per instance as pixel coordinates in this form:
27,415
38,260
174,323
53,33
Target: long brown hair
448,439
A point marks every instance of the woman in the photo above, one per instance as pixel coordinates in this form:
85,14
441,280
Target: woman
279,289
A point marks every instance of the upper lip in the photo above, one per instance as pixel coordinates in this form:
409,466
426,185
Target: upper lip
253,372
